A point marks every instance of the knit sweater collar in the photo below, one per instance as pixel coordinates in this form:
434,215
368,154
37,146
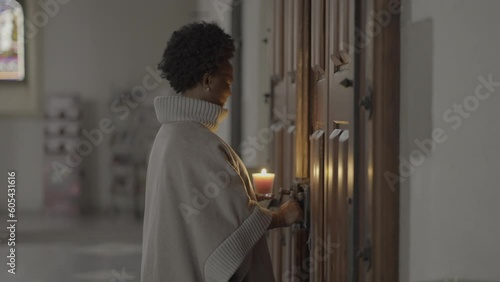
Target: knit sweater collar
182,108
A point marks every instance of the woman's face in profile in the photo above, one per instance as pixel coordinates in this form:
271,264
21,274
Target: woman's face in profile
220,84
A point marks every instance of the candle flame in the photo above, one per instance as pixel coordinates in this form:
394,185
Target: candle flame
263,171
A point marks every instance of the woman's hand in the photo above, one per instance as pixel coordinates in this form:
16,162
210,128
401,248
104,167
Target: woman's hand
290,212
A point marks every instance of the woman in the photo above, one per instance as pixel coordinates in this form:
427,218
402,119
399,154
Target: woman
202,221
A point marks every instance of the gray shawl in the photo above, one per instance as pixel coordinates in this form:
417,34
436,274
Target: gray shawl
201,220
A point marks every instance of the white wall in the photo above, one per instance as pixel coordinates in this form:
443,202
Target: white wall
90,47
255,84
450,202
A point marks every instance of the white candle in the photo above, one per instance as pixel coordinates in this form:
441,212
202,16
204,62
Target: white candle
263,182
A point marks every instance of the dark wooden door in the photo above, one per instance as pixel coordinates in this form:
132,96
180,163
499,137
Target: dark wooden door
377,56
335,113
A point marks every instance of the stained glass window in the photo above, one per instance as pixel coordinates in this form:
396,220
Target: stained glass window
11,40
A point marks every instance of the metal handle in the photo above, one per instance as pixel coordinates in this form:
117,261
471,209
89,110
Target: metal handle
306,205
367,103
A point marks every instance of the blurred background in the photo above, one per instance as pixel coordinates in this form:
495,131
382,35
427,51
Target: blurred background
80,212
70,82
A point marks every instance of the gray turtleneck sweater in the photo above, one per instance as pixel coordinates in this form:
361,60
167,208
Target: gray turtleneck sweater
202,221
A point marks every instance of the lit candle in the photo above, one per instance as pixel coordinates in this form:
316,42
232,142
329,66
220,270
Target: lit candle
263,182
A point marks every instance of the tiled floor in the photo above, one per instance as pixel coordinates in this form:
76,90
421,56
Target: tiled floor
91,249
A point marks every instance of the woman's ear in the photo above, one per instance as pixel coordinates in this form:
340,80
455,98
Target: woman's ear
206,81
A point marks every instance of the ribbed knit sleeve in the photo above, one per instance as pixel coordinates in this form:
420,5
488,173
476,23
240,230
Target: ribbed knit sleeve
228,257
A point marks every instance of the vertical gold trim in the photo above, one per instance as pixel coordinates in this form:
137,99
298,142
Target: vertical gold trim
302,95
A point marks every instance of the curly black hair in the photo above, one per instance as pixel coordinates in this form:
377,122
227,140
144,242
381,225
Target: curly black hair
193,50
